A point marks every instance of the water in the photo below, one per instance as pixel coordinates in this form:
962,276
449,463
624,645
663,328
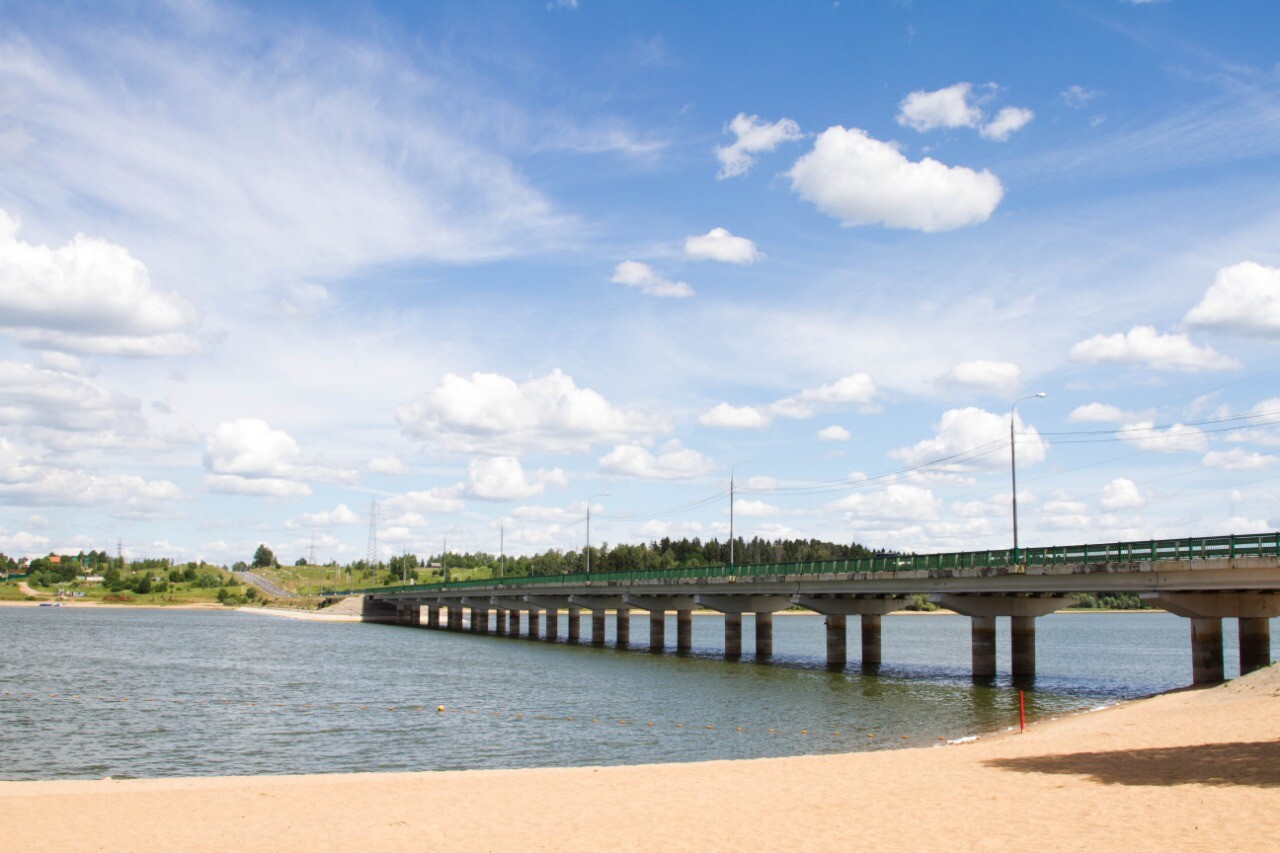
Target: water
145,693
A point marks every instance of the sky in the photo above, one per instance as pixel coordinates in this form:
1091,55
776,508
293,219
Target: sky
474,267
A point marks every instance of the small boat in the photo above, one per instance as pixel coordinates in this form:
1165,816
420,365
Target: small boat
50,604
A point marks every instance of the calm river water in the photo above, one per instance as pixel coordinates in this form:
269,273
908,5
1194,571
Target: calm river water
142,693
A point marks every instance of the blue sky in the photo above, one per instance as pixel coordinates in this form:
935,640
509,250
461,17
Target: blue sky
262,265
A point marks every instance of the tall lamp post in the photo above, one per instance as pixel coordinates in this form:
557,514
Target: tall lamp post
1013,467
588,550
731,470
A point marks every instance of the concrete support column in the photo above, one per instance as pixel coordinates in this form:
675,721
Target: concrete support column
475,620
513,626
764,636
575,625
1255,644
402,615
657,630
1206,651
500,623
870,640
484,621
1022,644
837,646
455,617
415,615
433,616
684,631
532,632
622,627
597,627
553,626
732,636
983,640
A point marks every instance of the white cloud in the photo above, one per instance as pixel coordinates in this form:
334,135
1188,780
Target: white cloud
1143,344
949,107
267,487
761,482
1007,122
1238,459
1096,413
858,388
87,296
492,414
895,503
26,481
754,509
339,515
672,462
995,377
968,429
752,137
862,181
649,280
1121,493
834,433
501,478
719,245
23,544
1078,97
31,396
1175,439
411,508
1244,299
733,417
387,465
247,457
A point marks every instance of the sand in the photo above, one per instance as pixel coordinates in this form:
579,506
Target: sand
1197,768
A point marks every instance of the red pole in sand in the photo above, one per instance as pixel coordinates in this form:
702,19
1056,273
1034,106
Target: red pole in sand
1022,712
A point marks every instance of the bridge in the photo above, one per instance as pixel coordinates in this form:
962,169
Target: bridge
1205,580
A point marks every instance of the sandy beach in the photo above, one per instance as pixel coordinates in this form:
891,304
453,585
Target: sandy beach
1196,768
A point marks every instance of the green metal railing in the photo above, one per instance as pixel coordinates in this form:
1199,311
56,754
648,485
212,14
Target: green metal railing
1260,545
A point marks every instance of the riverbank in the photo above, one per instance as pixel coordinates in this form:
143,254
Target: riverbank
1194,768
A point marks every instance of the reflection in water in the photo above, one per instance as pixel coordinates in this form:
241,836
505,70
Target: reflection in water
96,692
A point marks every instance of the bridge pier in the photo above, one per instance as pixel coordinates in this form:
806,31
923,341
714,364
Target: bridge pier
499,622
433,616
870,641
513,627
684,632
1206,610
532,632
575,625
552,633
622,627
732,636
1022,611
837,642
764,636
455,617
597,627
657,630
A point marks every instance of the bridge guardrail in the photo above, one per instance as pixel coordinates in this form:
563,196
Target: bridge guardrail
1255,545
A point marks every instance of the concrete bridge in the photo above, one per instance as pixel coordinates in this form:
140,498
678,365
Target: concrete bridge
1204,580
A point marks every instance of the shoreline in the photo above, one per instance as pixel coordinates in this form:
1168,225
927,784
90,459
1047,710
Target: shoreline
1191,767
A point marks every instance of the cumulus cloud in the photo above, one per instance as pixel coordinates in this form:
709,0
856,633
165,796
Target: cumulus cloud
88,296
755,509
1096,413
501,478
1121,493
649,281
1008,121
492,414
949,107
247,457
1244,299
968,429
862,181
672,461
1077,97
387,465
895,503
834,433
411,508
994,377
33,396
752,136
858,388
1238,459
339,515
734,417
1144,345
28,481
1174,439
719,245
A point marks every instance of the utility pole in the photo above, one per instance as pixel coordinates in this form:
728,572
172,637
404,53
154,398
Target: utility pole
731,472
1013,468
444,560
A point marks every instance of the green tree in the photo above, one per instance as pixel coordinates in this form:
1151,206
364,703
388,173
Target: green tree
263,558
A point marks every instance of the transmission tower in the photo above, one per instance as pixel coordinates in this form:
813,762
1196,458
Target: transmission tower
372,558
311,559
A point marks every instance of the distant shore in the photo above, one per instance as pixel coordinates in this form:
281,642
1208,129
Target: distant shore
1193,768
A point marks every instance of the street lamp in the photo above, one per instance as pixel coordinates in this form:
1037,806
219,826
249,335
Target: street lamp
588,550
1013,468
731,470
